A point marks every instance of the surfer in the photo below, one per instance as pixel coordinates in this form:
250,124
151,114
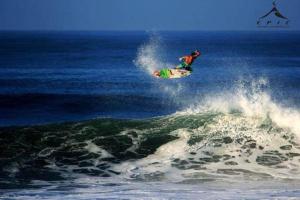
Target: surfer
187,61
181,70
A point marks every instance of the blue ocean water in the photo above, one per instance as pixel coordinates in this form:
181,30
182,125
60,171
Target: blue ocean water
82,116
68,76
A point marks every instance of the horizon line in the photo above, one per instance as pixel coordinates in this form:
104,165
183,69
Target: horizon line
262,29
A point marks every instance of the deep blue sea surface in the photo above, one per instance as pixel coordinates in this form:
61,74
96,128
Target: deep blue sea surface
66,76
234,121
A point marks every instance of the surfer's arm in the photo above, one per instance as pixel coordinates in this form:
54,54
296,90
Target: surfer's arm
182,59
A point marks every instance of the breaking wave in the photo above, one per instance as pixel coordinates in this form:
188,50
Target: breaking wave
239,134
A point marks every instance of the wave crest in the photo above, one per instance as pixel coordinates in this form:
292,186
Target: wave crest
252,99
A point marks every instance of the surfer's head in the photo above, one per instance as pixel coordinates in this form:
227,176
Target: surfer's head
196,53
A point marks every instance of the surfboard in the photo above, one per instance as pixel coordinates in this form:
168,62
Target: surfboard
173,73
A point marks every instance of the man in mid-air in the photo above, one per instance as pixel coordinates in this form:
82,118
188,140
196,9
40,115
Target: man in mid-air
186,62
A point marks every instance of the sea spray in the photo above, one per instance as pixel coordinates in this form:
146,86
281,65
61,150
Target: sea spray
150,58
149,55
252,99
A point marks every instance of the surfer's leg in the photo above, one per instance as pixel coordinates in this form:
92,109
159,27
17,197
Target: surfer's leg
180,66
183,65
188,68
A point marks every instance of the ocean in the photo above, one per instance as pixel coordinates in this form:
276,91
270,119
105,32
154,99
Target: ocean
82,117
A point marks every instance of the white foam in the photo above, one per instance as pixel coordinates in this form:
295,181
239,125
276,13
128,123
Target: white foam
161,160
252,101
91,147
246,128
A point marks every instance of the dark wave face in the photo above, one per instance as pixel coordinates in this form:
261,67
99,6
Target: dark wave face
185,148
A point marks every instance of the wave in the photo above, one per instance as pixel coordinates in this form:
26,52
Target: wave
239,135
